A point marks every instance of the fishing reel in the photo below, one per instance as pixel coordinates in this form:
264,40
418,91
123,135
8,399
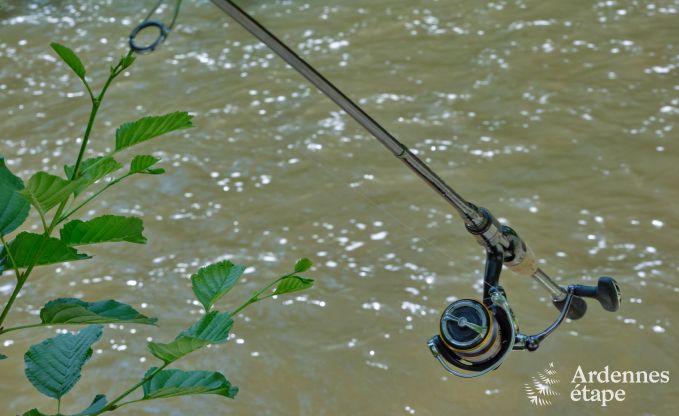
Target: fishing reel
476,337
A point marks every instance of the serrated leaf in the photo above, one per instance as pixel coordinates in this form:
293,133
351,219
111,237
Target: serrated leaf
303,265
76,311
172,383
130,134
293,284
45,191
13,206
91,170
213,281
143,163
213,328
71,59
172,351
25,248
54,365
104,229
98,404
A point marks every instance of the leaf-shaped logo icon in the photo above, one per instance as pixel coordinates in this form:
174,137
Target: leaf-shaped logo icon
540,390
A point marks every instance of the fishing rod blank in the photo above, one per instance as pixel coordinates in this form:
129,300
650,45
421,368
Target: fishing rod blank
475,219
474,337
390,142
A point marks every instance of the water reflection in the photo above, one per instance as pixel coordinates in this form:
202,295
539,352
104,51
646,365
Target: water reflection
559,117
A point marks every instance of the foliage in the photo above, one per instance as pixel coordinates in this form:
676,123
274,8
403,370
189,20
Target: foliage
54,365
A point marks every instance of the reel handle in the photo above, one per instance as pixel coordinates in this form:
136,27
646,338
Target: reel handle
577,309
607,292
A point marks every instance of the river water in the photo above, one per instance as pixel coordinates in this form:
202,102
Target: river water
558,116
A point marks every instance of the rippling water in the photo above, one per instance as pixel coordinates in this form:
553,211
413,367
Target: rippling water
559,116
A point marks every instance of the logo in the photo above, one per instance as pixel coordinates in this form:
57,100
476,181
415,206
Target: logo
540,391
594,387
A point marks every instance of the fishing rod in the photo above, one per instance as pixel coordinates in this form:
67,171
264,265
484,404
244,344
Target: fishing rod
474,337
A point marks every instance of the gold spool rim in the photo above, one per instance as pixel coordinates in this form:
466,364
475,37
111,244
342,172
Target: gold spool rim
485,338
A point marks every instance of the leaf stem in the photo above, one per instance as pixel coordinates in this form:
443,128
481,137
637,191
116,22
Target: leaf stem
112,406
255,297
91,197
43,220
11,257
86,137
27,272
89,90
96,103
243,306
130,402
16,328
15,293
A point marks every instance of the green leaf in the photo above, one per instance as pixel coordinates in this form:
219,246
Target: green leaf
104,229
143,163
172,383
172,351
291,284
3,357
214,281
44,191
91,170
76,311
71,59
54,365
25,248
147,128
302,265
98,404
213,328
13,206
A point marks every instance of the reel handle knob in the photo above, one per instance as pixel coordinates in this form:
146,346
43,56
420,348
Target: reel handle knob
607,292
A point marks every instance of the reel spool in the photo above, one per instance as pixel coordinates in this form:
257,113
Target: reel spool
469,330
473,336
